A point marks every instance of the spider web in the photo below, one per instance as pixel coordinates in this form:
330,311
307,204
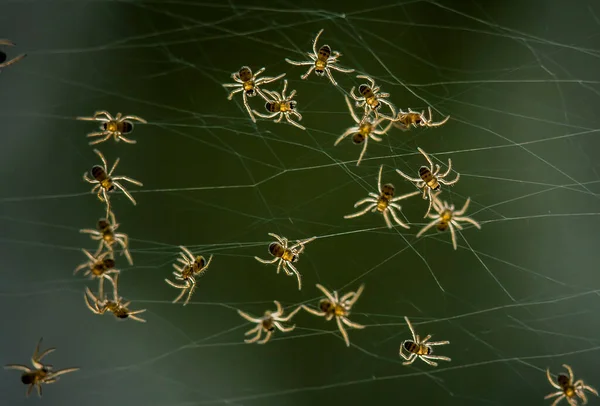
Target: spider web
519,82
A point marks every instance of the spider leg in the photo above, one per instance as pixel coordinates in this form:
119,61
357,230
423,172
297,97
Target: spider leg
557,386
136,118
405,176
128,179
55,374
127,140
365,200
282,328
362,153
464,208
453,235
247,105
267,337
396,218
264,261
313,311
412,330
422,357
428,226
329,75
230,96
292,122
351,323
248,317
18,367
356,295
314,44
343,331
106,138
256,337
88,179
279,265
299,63
386,217
132,315
292,314
119,186
308,72
346,133
298,276
187,252
338,68
468,220
12,61
410,359
302,243
554,394
436,342
192,288
272,115
390,105
360,213
406,196
329,296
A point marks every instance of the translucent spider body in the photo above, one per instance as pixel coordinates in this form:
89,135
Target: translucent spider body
248,84
384,202
568,389
405,120
285,255
3,57
417,348
430,178
40,373
447,217
282,106
332,306
371,99
116,127
363,131
102,304
99,266
105,182
321,61
193,267
268,323
108,237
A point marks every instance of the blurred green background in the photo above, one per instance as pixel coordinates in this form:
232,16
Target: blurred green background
520,81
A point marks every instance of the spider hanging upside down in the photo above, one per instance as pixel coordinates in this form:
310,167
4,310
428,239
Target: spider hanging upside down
321,61
447,217
568,389
285,255
193,267
362,132
282,105
333,306
268,323
371,99
104,181
430,178
384,202
405,120
248,84
99,266
417,348
107,236
3,58
41,373
101,304
111,126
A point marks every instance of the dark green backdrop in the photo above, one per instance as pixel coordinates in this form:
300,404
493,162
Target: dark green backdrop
520,80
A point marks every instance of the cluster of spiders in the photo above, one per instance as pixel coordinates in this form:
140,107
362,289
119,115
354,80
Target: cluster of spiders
101,264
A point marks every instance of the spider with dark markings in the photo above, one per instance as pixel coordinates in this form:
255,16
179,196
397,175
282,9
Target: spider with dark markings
448,217
268,323
371,99
405,120
101,304
116,127
285,254
430,178
104,181
333,306
417,348
193,267
249,85
3,57
107,236
41,373
384,202
362,132
568,388
99,266
281,105
321,61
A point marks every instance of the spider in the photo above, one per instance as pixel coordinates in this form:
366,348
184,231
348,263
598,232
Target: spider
418,348
321,61
430,178
385,203
107,236
362,132
332,306
413,118
448,217
281,105
567,389
41,373
285,255
249,85
268,323
105,182
99,266
116,306
371,99
112,126
193,267
3,62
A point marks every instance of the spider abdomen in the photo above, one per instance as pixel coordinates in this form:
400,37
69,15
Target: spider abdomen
322,56
427,177
99,173
415,348
245,74
276,250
